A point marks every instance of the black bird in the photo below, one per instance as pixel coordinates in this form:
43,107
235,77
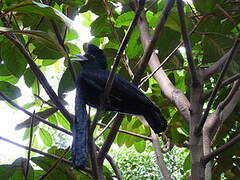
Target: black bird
124,96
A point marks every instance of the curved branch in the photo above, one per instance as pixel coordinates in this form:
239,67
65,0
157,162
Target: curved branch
150,46
220,150
169,90
204,116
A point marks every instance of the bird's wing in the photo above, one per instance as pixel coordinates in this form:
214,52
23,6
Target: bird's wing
120,88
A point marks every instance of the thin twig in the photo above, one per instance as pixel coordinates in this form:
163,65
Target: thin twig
230,95
40,76
104,129
150,47
210,156
187,44
50,170
31,115
159,155
217,86
43,101
30,145
128,132
61,42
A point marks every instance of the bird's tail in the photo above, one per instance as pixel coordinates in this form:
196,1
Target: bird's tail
156,120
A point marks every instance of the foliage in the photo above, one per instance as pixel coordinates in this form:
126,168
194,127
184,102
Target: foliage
45,30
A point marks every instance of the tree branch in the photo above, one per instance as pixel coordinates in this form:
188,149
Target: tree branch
35,116
220,150
171,92
54,165
30,145
117,122
128,132
160,161
36,150
231,56
224,83
56,100
150,46
192,66
207,73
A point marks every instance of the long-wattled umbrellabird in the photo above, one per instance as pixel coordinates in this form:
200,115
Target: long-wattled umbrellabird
124,97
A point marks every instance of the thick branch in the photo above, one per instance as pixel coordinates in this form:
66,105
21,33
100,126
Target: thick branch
171,92
231,56
220,150
150,46
192,66
56,100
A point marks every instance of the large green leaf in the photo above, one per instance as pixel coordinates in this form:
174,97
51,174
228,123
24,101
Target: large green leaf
46,46
101,27
205,6
16,170
96,6
13,59
124,19
66,83
9,90
33,7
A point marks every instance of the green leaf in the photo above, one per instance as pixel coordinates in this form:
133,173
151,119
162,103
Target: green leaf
29,77
4,71
53,119
124,19
130,141
46,46
13,59
187,163
140,146
45,136
33,7
72,35
66,83
47,62
95,6
101,27
10,79
16,170
62,120
134,48
205,6
9,90
121,137
73,48
62,171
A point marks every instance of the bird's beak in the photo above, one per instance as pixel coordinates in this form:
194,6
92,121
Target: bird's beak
80,58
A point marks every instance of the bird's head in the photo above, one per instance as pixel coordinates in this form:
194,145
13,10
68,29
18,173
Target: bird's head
93,58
